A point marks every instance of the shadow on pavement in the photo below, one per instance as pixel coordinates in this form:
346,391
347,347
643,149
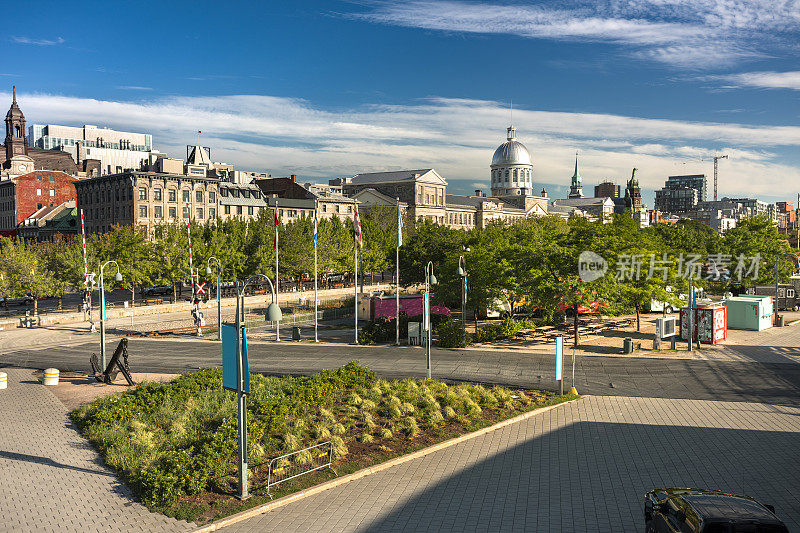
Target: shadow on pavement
592,476
47,461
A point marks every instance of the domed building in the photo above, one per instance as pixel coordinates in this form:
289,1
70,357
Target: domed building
512,170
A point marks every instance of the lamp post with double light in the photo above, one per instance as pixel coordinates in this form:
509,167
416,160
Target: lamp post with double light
273,314
430,280
219,300
117,278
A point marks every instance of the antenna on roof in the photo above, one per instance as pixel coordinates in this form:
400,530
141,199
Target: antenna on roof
512,112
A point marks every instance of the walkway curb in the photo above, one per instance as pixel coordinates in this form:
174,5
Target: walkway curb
267,507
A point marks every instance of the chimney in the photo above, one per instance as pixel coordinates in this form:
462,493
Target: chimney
477,192
294,178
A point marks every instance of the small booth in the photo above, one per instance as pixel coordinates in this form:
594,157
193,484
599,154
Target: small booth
710,323
749,311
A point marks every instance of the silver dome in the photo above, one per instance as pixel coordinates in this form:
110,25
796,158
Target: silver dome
511,153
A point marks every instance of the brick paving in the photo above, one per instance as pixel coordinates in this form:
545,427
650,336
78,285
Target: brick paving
51,479
584,466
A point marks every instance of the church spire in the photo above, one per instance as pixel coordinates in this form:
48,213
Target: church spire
576,177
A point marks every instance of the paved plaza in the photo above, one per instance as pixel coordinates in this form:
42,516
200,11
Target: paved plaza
51,479
584,466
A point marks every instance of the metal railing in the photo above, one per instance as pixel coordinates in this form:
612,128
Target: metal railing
292,465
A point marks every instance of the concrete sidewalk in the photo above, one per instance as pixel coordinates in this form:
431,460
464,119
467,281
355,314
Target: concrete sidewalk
51,479
583,466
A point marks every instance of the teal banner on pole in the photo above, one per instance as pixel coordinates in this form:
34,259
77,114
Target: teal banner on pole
559,356
426,311
464,292
103,304
229,369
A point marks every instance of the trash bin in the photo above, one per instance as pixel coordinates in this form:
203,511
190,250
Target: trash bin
627,345
780,321
295,333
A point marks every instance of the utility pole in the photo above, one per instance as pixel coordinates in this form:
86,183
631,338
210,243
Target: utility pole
716,160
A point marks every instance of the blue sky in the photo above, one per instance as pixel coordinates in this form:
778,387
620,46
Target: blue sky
324,89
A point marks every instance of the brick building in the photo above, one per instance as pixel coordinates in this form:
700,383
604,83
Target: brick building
295,201
23,195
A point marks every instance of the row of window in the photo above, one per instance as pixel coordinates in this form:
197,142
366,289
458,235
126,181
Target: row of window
460,218
514,173
39,192
172,195
39,177
199,212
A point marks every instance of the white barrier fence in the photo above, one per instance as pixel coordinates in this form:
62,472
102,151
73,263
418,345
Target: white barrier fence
295,464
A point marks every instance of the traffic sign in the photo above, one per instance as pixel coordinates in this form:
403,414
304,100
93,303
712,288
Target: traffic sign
199,288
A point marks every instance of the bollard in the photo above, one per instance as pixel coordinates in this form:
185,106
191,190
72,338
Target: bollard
3,380
50,376
295,333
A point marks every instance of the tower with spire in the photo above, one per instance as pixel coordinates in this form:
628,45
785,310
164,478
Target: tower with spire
16,142
576,186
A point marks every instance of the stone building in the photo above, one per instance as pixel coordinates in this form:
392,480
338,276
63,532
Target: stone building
240,200
294,201
146,199
511,168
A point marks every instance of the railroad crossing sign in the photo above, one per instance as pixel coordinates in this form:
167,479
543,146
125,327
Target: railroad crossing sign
199,289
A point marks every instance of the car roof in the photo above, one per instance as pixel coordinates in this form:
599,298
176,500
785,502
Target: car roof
714,506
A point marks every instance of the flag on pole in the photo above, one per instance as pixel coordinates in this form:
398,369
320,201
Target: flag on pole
357,227
276,228
316,224
399,227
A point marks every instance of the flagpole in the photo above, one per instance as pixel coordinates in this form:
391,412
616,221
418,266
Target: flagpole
316,205
355,281
277,284
397,276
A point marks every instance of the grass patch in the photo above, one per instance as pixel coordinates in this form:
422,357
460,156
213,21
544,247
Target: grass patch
175,443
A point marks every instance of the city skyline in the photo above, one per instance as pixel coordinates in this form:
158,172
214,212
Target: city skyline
625,86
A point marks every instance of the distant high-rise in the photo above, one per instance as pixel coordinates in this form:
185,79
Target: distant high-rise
607,189
681,193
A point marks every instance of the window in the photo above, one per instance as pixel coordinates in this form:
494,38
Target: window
157,195
238,210
199,213
324,208
249,209
337,208
185,197
172,195
212,196
38,177
142,211
212,213
173,212
223,192
790,293
52,178
38,192
142,193
227,210
349,208
157,211
246,193
52,192
256,194
198,196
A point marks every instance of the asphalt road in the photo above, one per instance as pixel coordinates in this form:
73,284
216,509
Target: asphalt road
776,381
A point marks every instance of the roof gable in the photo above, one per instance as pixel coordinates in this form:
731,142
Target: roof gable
425,175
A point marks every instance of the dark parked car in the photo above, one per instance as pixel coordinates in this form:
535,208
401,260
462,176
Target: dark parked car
707,511
159,290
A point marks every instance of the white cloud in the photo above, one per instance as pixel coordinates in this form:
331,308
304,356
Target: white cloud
134,88
455,136
697,34
38,42
765,80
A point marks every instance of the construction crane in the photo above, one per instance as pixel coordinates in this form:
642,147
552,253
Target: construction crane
716,159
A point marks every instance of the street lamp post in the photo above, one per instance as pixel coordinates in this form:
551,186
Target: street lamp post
430,280
462,271
117,278
274,315
219,300
777,263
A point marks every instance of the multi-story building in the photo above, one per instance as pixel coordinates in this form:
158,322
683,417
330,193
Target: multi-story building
294,201
596,208
21,196
681,194
788,215
115,151
607,189
146,199
243,200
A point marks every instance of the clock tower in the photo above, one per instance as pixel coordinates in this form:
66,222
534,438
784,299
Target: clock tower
17,160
